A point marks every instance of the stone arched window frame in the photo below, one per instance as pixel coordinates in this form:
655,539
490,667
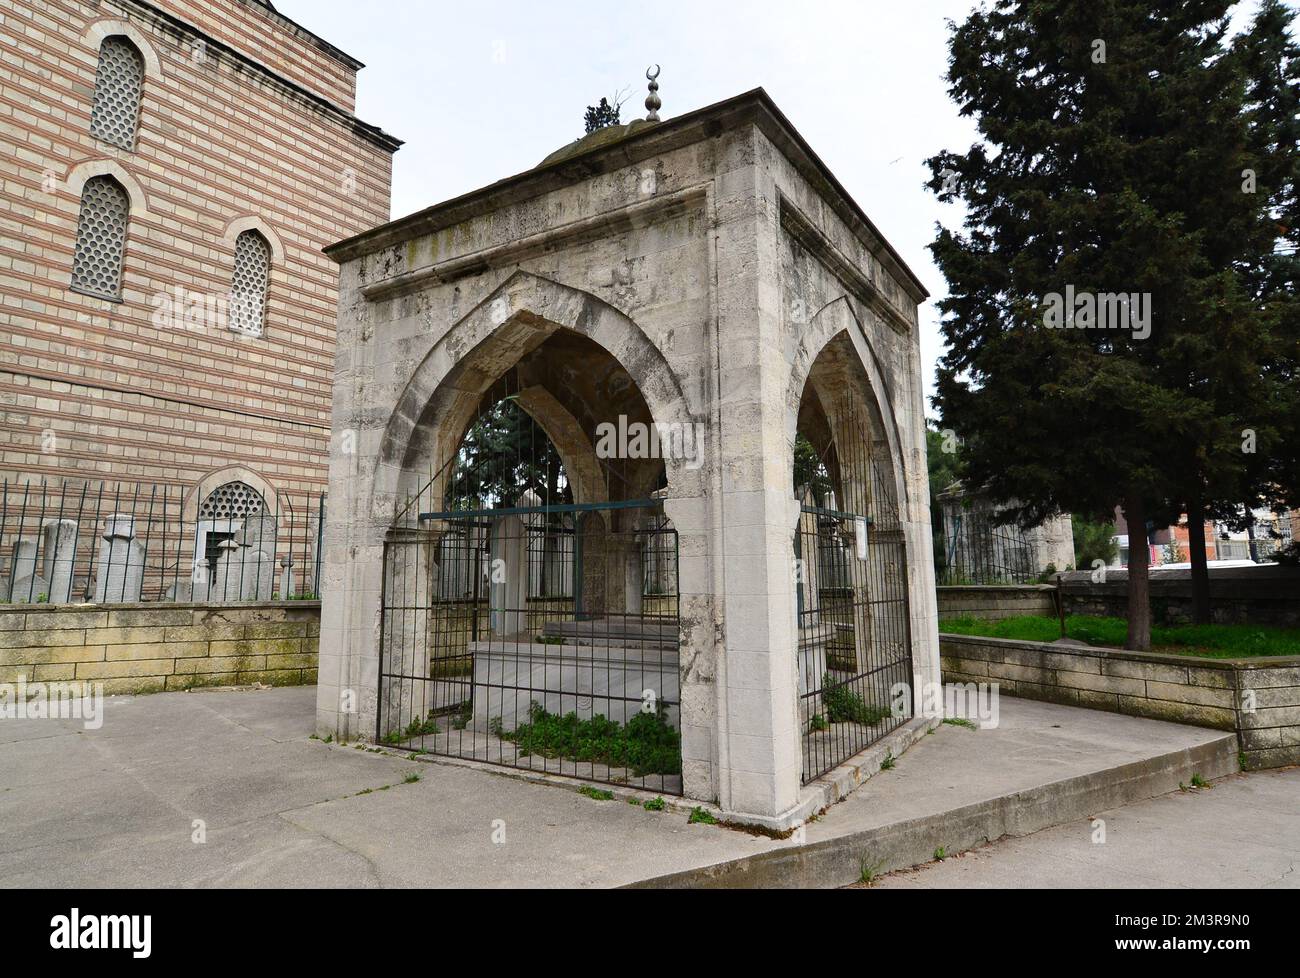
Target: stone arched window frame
234,500
248,315
119,92
103,222
250,284
221,514
194,513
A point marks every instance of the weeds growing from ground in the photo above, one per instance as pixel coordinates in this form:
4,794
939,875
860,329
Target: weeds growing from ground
647,745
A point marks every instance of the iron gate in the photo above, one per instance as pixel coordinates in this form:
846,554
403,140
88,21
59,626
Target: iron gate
537,637
854,631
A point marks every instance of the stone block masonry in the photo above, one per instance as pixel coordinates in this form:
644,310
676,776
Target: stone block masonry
1263,595
997,603
1259,699
144,648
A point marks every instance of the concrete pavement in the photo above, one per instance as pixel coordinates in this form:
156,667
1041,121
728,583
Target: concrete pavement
117,807
1243,831
225,788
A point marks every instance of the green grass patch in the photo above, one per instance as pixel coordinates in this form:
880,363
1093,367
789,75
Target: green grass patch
647,745
1207,641
596,794
845,706
701,817
655,805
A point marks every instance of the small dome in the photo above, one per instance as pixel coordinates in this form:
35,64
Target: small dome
601,137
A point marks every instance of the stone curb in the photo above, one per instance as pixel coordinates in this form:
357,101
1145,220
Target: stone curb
903,845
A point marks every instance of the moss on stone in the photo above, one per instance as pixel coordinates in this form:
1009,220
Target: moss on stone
596,140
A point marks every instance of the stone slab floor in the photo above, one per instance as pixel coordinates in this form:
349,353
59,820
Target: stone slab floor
117,807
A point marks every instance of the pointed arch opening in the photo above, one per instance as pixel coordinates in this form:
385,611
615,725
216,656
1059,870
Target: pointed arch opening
854,648
530,608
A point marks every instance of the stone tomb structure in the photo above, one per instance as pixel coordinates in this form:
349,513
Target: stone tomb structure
706,275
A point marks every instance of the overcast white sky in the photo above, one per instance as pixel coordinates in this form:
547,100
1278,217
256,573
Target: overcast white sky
483,90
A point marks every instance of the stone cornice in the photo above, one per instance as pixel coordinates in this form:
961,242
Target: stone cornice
853,278
521,249
752,108
179,26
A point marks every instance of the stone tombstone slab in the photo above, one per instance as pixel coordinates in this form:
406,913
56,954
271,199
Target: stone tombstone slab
634,575
257,575
256,558
59,554
228,579
589,680
259,532
24,585
592,547
508,588
119,574
286,578
810,563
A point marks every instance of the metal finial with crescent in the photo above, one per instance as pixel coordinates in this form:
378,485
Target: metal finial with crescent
653,102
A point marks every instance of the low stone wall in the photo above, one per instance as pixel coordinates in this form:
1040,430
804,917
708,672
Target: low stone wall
147,648
997,603
1265,595
1259,699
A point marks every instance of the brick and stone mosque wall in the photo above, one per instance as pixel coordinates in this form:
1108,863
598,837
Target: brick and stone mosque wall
225,120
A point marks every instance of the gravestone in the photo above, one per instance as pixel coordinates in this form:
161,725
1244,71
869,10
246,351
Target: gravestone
119,573
508,591
228,578
25,586
256,539
286,577
591,548
59,554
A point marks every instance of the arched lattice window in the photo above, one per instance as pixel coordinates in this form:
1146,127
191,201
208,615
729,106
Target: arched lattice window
233,501
119,84
249,287
101,238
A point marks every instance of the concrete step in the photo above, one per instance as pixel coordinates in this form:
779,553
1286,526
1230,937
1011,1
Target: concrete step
1045,765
